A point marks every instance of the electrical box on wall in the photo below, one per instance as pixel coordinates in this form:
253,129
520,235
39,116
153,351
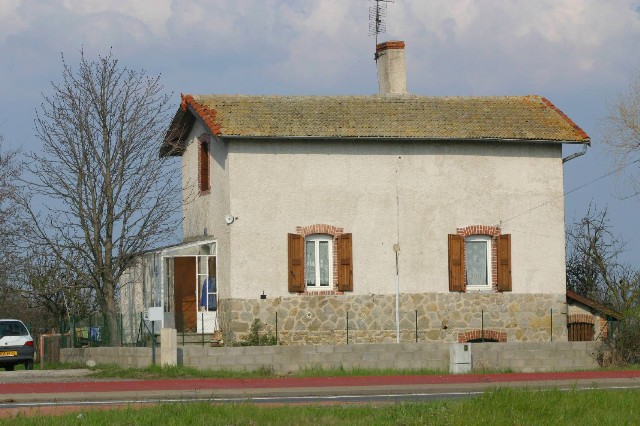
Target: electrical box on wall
459,358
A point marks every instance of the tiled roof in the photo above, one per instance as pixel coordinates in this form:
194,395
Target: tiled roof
593,304
394,117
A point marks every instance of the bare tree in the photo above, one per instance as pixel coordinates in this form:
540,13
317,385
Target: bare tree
51,285
12,221
106,192
622,135
593,268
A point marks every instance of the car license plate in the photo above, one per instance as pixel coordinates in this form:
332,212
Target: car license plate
8,353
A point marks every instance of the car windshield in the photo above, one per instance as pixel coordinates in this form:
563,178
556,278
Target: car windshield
12,328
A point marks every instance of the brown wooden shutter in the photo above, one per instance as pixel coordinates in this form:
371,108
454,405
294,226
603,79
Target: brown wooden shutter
504,263
456,266
296,263
345,263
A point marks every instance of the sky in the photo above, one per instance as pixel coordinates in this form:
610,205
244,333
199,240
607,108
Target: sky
580,54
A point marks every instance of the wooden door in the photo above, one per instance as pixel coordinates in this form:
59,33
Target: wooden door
581,332
184,291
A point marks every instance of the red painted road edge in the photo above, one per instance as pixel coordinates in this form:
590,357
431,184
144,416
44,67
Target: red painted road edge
294,382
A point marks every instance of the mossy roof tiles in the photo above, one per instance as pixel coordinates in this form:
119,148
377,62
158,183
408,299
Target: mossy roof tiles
512,118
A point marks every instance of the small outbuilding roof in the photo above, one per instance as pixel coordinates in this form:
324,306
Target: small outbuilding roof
508,118
597,306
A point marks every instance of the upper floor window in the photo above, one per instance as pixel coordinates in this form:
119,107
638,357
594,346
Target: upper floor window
203,165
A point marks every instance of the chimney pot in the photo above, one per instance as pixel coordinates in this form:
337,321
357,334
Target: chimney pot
392,71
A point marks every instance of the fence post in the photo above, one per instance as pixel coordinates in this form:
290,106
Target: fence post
72,331
153,342
202,325
141,331
416,326
182,321
90,327
277,328
482,325
552,324
347,327
121,329
63,341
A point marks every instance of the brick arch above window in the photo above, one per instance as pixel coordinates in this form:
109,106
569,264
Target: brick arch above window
498,336
320,228
492,231
581,318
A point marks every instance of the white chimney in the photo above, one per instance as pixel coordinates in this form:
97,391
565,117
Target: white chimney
392,72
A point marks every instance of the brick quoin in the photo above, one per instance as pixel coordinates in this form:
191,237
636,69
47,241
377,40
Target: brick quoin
492,231
499,336
335,232
604,329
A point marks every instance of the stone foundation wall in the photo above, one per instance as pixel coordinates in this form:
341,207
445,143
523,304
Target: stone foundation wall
425,317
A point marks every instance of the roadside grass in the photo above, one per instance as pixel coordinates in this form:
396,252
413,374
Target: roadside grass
59,366
499,407
156,372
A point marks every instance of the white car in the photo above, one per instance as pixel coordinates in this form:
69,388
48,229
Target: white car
16,345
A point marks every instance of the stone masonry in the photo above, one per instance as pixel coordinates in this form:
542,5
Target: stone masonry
424,317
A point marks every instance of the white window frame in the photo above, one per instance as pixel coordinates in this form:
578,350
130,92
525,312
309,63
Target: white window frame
488,241
316,239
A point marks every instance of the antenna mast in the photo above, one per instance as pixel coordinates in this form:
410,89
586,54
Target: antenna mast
377,14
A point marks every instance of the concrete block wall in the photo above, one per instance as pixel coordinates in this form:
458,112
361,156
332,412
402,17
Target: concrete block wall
513,356
286,359
124,356
532,357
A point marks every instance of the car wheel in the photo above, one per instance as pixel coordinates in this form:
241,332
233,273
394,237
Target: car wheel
28,365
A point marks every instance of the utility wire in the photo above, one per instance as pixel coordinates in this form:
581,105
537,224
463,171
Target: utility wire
568,192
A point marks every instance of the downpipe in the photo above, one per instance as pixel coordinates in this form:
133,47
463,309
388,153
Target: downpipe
576,154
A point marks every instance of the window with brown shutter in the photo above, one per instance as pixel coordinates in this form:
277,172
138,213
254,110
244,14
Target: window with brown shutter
345,263
504,262
203,162
456,267
296,263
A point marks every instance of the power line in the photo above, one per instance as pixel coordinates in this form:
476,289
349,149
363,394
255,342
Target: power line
568,192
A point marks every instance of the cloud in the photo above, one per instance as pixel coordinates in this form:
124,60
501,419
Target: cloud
322,46
11,22
494,44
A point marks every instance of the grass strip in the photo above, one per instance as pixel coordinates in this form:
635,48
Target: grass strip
156,372
498,407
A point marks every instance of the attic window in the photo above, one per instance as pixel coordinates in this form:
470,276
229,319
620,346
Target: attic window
203,165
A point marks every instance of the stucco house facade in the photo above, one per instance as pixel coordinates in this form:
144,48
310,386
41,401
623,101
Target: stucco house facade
382,218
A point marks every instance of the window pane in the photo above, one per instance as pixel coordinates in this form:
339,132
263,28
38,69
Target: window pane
310,263
324,263
476,262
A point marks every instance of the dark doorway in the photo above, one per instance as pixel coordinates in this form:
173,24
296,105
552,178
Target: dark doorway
185,293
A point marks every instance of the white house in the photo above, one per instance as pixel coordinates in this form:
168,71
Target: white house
355,217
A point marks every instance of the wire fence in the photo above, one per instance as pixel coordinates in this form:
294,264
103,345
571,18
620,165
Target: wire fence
318,326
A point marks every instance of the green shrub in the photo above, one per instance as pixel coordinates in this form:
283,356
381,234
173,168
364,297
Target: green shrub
255,339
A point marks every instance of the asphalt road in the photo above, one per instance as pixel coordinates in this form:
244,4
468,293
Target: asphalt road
76,387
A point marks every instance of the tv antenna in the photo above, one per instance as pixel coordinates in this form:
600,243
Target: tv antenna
377,15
